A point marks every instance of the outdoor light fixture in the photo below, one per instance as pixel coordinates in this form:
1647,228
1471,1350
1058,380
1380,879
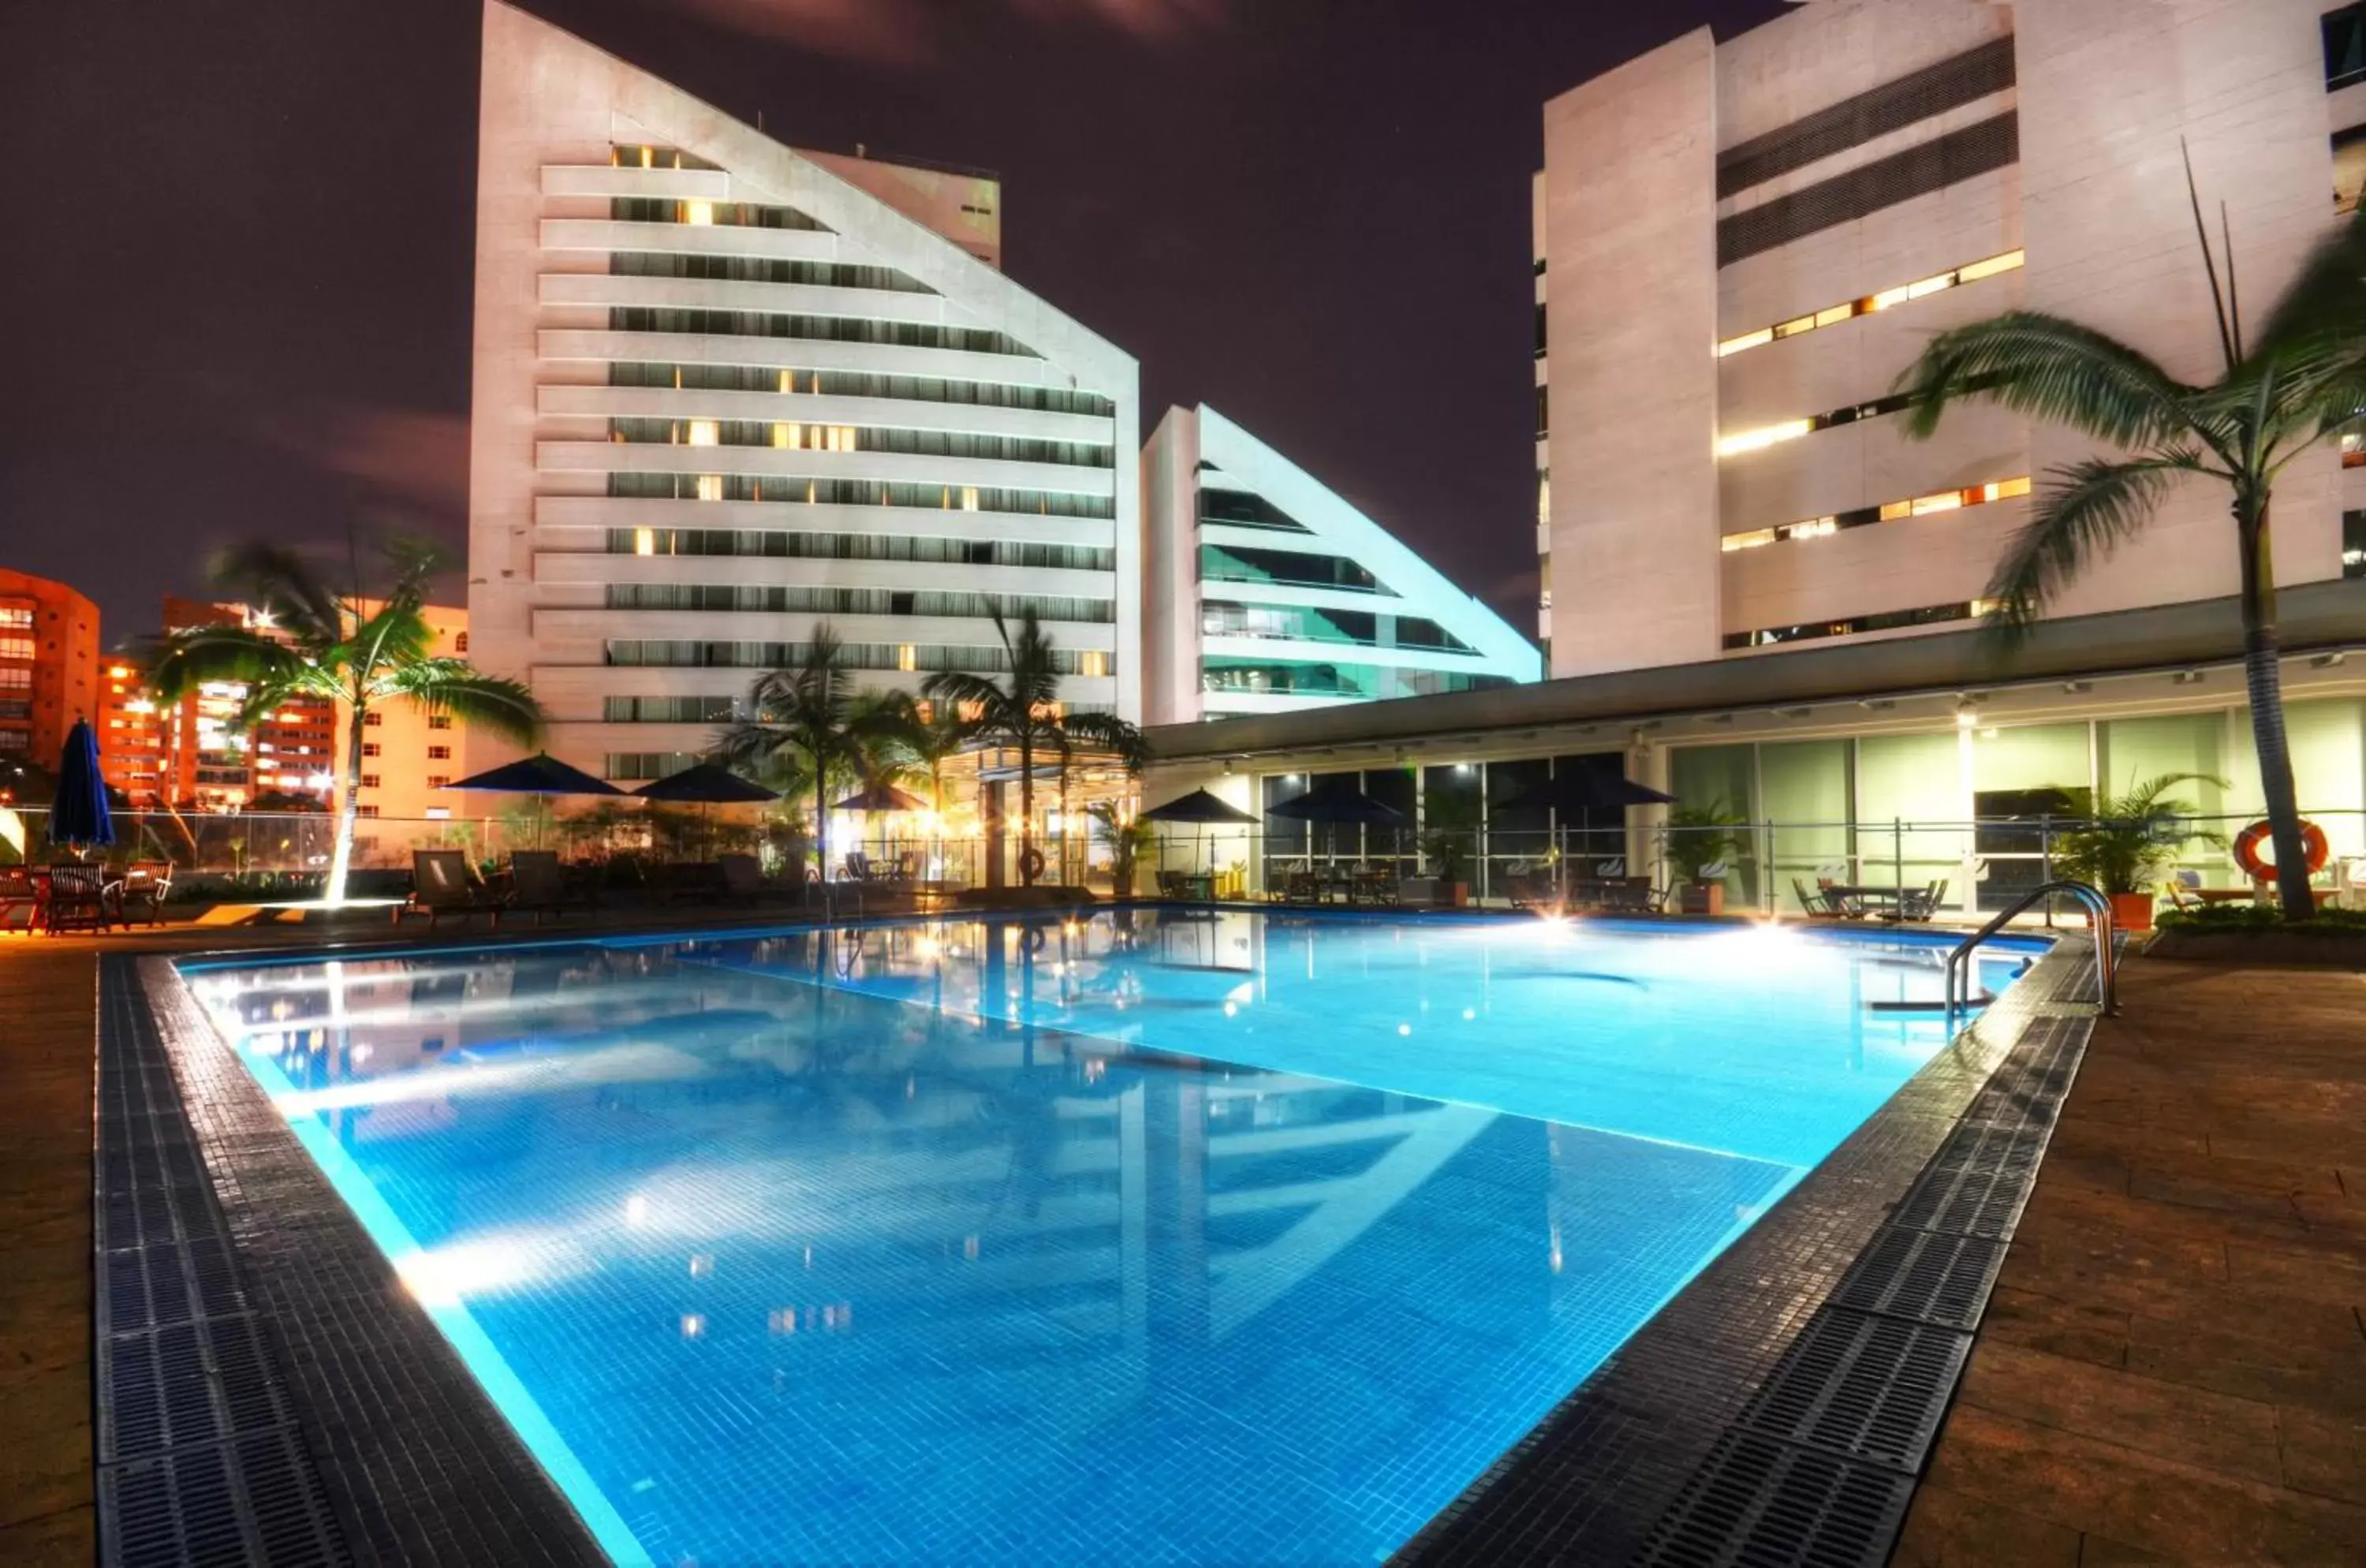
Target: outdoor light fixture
1967,713
2327,661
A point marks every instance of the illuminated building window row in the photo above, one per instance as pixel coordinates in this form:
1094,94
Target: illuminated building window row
819,329
1833,315
679,654
931,548
790,490
704,214
1881,621
1767,436
795,435
857,384
756,598
1888,512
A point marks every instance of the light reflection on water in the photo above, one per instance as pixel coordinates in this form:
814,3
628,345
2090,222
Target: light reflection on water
1232,1239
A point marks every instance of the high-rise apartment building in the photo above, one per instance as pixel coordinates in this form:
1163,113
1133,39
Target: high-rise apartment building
211,763
1740,245
726,391
49,667
131,742
1266,592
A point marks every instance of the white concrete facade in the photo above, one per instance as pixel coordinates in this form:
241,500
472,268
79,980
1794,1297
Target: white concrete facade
1742,245
726,391
1266,592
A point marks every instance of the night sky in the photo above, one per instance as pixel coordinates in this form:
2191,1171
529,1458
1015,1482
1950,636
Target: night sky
240,260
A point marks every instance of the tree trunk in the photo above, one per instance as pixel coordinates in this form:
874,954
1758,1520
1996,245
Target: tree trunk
821,822
341,859
2263,680
1026,805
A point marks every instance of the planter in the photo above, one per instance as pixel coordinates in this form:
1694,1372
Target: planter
1451,895
2132,911
1703,898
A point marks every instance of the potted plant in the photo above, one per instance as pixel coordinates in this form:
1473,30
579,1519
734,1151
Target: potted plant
1128,840
1698,839
1449,832
2131,843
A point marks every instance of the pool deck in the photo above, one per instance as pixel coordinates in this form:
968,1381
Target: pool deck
2173,1367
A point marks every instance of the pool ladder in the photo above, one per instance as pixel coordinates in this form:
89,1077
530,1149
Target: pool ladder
2098,914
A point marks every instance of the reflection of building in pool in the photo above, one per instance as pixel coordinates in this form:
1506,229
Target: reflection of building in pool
1266,592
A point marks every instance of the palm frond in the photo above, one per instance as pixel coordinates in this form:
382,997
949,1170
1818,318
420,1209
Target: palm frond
959,689
283,584
2082,513
492,702
2326,302
398,635
1109,733
198,655
2051,368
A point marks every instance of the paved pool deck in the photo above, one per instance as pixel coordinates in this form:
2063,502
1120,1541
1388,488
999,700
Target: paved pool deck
2173,1368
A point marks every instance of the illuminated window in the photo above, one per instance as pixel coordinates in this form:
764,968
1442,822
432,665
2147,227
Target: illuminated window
699,213
710,487
1763,436
969,498
1092,662
1831,315
644,543
788,380
785,435
907,657
704,432
1888,512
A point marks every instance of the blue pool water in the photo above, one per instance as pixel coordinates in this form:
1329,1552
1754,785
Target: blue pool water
1184,1239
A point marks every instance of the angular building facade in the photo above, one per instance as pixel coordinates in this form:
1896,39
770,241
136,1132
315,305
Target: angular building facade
726,391
1266,592
48,668
1740,245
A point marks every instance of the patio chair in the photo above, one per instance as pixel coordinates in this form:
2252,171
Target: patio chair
144,887
2182,890
442,883
78,899
19,893
538,882
1921,903
1817,904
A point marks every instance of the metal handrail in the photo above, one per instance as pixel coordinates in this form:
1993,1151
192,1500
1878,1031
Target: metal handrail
2099,912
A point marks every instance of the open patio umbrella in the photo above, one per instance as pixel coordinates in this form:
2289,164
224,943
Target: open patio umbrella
1338,804
881,797
1584,789
1202,808
79,818
541,775
706,786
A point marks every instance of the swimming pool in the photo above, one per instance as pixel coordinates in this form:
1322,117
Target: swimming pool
1176,1236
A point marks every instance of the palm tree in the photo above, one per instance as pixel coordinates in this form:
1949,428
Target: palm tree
1023,712
310,641
2300,380
811,724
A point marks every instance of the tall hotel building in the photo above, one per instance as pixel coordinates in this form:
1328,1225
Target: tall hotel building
1266,592
1740,245
726,390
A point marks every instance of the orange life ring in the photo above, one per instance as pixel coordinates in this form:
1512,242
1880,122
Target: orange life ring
2246,850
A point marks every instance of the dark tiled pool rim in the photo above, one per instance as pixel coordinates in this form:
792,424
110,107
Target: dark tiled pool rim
305,1405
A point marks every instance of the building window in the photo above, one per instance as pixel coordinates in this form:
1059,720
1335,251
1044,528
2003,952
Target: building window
1544,399
366,811
1092,662
2353,544
372,720
437,780
369,781
460,642
2345,46
1833,315
1881,621
1888,512
439,721
17,648
1540,329
370,747
439,754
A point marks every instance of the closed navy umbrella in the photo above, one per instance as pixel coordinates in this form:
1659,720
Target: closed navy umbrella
79,818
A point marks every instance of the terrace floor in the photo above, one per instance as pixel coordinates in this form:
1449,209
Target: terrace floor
2173,1367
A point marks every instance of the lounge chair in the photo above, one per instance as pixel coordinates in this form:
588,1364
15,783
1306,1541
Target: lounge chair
78,899
1921,903
538,882
441,884
743,877
2183,890
144,887
1817,904
19,893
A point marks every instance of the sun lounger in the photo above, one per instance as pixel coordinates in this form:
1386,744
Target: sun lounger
441,885
538,882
